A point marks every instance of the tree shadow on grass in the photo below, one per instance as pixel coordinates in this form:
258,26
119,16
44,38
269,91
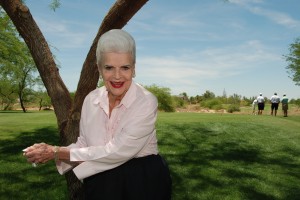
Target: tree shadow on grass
25,139
204,168
19,180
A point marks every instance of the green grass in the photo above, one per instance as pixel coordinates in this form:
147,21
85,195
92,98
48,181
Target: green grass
214,156
18,179
211,156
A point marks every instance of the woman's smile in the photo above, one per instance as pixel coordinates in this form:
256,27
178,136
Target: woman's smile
117,84
117,72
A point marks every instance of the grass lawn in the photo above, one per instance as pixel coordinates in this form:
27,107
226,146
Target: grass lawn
215,156
18,179
211,156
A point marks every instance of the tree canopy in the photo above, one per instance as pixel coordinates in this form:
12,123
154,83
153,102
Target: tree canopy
293,59
164,97
17,69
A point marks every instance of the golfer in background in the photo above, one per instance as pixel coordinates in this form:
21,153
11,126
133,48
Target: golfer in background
260,104
254,104
275,100
285,105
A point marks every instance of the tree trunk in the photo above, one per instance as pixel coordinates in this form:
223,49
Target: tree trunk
22,86
68,114
40,104
21,102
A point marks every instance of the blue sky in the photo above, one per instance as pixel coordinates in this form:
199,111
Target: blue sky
188,46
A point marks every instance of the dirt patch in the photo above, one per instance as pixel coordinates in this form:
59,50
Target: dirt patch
293,110
198,109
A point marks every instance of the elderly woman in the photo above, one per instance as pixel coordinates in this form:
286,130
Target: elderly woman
116,154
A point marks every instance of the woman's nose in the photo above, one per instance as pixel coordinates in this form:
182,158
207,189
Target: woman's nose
117,74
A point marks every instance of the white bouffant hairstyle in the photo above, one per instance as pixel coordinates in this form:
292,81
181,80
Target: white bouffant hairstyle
115,40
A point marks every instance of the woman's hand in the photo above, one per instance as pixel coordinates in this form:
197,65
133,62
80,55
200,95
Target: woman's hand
39,153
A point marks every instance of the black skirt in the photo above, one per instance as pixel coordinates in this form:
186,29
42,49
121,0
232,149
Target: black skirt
145,178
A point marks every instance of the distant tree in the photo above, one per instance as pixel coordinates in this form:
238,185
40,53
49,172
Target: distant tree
198,98
234,99
224,93
179,102
193,100
297,103
223,98
8,94
184,96
16,64
246,101
208,95
293,59
164,97
43,100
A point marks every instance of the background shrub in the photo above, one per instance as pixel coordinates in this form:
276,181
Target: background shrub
212,104
233,108
164,97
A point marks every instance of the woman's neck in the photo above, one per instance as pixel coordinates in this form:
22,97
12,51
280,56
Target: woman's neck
113,101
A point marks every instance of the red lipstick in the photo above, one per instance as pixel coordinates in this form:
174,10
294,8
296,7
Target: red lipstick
117,84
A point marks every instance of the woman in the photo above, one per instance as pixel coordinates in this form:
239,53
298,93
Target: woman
116,153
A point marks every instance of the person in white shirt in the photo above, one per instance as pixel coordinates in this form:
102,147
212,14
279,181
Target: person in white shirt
260,104
275,100
254,103
116,154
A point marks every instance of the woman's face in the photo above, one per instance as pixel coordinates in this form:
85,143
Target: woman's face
117,71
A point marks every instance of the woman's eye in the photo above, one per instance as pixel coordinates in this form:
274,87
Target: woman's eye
125,68
108,68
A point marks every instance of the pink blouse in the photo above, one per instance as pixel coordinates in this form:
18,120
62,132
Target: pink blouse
107,142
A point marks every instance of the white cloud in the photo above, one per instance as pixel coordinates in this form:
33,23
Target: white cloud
190,67
246,2
66,34
275,16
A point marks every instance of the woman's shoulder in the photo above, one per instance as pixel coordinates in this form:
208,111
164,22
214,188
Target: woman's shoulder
144,93
96,94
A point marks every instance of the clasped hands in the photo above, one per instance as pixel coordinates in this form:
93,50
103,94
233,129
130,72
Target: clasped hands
39,153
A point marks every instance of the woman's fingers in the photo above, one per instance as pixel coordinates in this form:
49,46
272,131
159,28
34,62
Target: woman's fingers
38,153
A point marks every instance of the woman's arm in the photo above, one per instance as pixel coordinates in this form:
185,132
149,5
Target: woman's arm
42,153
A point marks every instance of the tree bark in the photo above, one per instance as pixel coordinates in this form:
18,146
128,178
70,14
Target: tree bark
67,113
